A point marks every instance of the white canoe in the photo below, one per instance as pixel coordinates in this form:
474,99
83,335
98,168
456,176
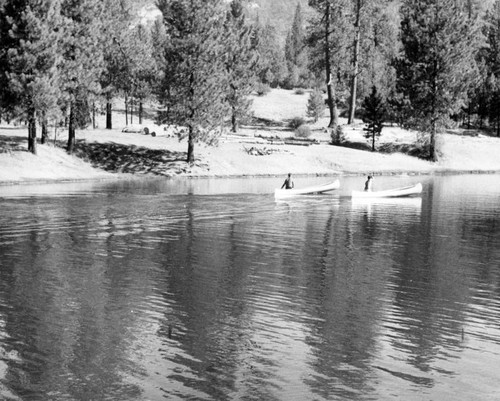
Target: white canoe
317,189
389,193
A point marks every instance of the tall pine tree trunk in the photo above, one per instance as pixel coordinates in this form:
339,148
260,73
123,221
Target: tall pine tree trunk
498,121
432,142
234,122
469,112
190,152
109,114
131,110
330,89
71,130
126,110
355,64
45,130
32,131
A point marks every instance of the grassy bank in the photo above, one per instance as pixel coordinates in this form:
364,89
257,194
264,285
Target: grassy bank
258,149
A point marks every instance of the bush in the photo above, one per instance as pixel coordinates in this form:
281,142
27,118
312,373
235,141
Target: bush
262,89
337,135
299,91
296,122
303,131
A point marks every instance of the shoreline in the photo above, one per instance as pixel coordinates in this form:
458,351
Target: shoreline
255,151
133,177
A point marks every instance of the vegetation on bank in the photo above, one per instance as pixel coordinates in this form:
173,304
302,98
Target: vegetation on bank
434,64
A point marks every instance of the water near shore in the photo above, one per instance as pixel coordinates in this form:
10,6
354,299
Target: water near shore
212,290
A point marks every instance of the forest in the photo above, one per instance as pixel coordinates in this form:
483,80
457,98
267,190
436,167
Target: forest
426,65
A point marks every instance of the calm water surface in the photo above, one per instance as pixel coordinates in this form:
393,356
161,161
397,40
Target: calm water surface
211,290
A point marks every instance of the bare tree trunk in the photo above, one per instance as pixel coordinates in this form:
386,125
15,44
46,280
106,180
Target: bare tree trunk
126,110
498,121
71,130
432,144
45,131
469,112
330,89
32,131
131,110
234,122
190,153
109,114
93,115
355,64
140,112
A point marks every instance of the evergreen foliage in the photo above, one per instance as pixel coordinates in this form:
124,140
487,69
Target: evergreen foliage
117,53
329,49
29,38
375,29
242,58
195,81
315,105
271,69
337,135
489,93
143,71
82,54
303,131
374,115
296,122
295,52
437,66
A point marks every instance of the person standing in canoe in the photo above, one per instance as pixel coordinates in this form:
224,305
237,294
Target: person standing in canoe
288,184
368,183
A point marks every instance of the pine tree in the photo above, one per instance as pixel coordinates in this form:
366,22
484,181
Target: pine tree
370,29
29,36
241,62
194,86
114,42
437,67
272,69
315,105
328,49
137,68
380,48
295,50
82,63
146,71
491,58
374,115
358,6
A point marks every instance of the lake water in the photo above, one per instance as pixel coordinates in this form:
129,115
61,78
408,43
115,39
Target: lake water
212,290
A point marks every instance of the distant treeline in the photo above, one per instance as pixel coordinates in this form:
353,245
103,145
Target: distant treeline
433,63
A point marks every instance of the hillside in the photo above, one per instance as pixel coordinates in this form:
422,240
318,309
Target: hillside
277,13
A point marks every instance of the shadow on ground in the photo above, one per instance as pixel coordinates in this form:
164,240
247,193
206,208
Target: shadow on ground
13,144
132,159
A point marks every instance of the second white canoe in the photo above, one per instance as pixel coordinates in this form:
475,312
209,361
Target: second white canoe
390,193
